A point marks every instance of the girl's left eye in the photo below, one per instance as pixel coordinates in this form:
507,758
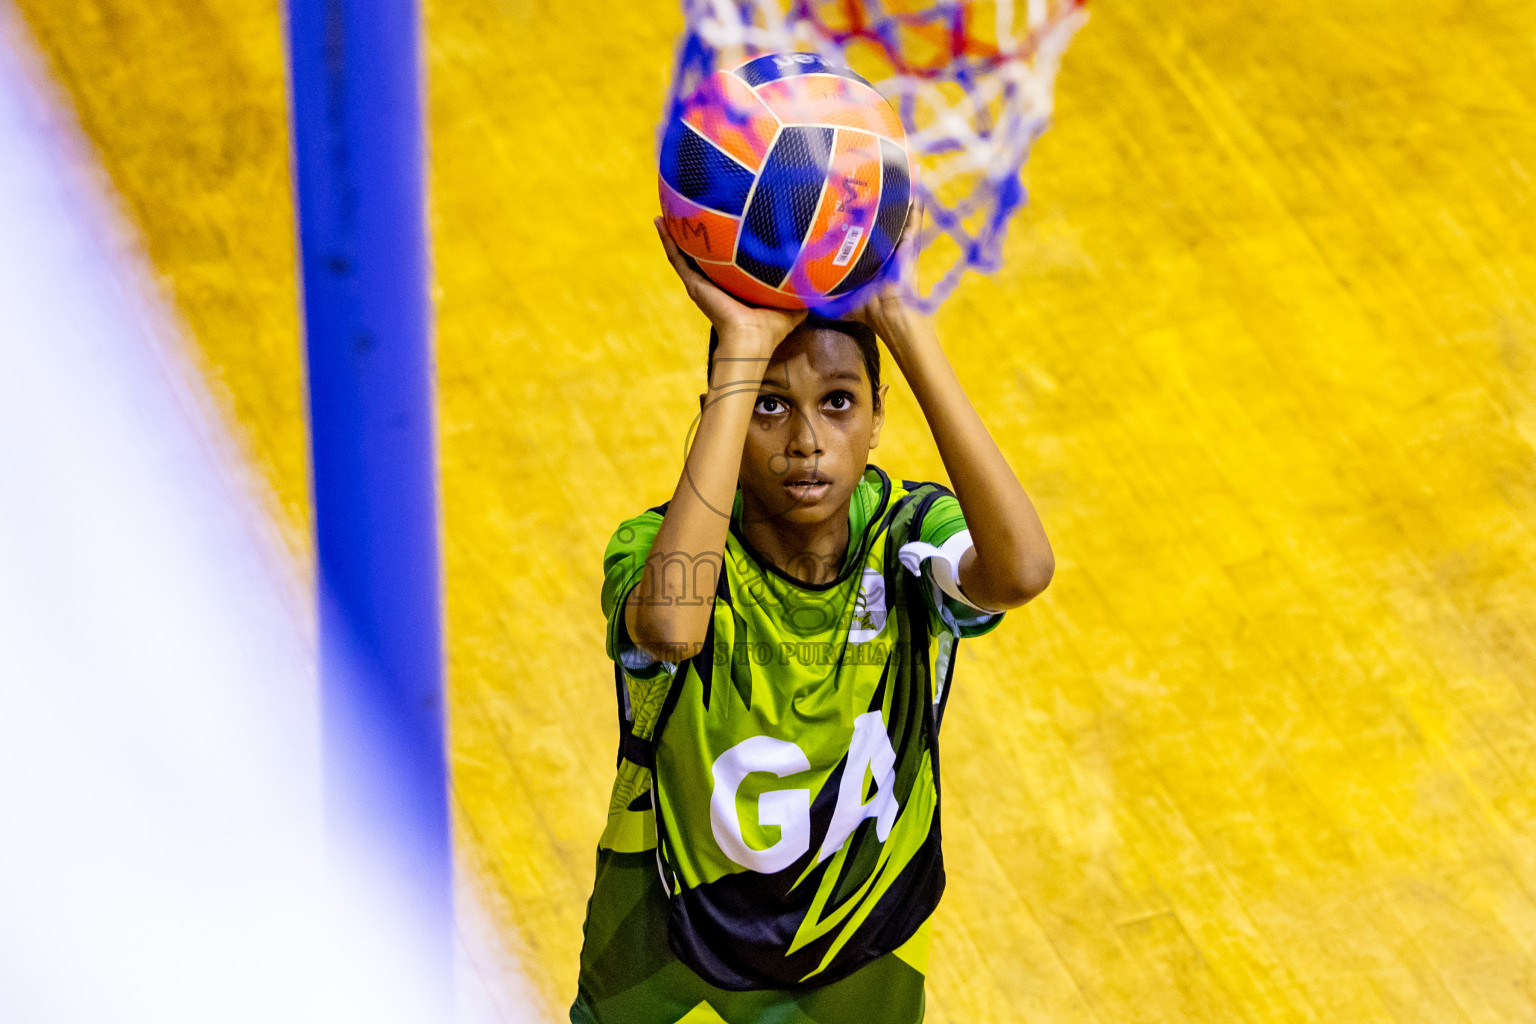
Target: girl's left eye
842,397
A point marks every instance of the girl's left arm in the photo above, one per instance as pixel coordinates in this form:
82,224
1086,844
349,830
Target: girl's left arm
1010,561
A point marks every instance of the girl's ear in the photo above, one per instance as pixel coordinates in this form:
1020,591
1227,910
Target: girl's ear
879,414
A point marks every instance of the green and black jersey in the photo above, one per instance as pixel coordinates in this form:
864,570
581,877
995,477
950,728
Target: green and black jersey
772,848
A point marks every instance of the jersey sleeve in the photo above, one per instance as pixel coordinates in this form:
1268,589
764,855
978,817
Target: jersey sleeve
623,566
643,684
941,522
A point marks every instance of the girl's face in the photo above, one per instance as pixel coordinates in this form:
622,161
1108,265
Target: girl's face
812,428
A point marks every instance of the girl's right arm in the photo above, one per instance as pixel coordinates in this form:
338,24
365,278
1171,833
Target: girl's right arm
667,613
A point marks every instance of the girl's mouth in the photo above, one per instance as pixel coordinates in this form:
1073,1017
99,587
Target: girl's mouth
809,488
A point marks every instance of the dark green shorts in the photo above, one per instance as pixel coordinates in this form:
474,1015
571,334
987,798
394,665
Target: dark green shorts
630,976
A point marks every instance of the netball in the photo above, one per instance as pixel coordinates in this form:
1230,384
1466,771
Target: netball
787,179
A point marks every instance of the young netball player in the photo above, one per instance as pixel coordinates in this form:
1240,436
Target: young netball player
783,632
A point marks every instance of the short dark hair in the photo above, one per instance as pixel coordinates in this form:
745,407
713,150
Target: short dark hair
861,334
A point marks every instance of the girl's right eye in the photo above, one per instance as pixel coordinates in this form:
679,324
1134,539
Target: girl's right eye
773,401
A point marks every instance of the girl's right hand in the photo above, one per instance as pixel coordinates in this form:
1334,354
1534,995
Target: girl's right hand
758,329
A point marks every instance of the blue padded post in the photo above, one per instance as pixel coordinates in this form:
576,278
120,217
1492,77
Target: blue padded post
359,159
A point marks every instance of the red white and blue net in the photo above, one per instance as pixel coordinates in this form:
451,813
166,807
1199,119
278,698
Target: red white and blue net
972,81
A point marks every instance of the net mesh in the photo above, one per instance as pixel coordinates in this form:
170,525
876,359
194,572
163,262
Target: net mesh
972,82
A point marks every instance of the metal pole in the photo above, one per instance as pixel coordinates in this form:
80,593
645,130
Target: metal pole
359,157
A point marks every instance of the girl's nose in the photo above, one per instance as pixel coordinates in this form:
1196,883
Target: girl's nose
803,440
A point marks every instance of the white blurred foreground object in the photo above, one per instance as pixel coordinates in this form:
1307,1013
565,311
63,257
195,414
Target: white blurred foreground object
161,851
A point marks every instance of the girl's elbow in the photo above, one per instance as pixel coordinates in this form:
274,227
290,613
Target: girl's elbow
675,653
667,640
1034,576
1040,575
671,647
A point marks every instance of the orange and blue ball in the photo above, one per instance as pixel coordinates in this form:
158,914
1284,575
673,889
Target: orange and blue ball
787,179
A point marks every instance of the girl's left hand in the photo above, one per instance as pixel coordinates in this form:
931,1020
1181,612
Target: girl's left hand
885,311
888,315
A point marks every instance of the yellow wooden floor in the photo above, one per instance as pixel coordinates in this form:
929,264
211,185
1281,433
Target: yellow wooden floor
1264,353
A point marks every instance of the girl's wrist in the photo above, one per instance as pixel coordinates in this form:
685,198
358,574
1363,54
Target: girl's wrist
741,359
744,340
915,347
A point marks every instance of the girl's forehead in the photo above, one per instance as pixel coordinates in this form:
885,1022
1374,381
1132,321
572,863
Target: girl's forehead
815,355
